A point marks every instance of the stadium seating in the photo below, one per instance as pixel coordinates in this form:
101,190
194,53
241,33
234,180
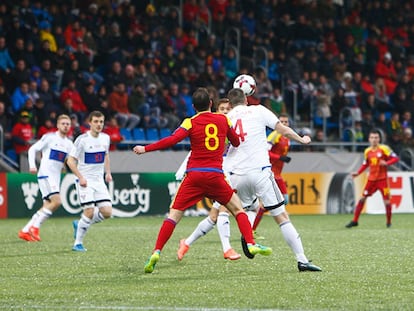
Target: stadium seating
139,134
152,134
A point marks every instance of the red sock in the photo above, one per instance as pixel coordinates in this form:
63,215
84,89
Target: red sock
165,233
258,218
244,227
388,212
358,210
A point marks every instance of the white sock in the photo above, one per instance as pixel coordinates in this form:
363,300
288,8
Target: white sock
203,228
292,238
97,216
223,228
30,223
43,214
83,226
252,216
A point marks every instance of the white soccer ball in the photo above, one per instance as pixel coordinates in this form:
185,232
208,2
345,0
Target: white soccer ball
245,82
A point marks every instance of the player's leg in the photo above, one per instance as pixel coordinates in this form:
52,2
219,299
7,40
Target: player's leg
385,192
49,189
234,206
186,196
164,234
368,191
50,205
223,229
203,227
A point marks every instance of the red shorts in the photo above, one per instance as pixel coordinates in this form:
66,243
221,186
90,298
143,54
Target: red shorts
381,185
197,185
281,184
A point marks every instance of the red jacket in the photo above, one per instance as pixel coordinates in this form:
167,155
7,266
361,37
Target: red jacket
22,134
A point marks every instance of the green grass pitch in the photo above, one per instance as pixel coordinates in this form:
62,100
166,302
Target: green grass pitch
365,268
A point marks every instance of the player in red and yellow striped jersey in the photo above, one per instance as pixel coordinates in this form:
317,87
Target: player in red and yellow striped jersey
377,157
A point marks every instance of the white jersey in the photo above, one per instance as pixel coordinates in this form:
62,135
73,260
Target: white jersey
250,123
55,149
90,152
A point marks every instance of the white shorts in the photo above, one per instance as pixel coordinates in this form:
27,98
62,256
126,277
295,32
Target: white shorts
259,184
94,194
49,186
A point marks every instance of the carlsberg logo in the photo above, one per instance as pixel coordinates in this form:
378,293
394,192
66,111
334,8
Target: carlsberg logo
134,197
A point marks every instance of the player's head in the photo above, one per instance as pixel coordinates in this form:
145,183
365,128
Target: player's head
223,106
374,137
63,124
237,97
201,99
96,121
284,119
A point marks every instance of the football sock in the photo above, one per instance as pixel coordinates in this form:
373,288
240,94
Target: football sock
245,227
83,226
223,228
292,238
42,215
165,233
30,223
97,216
388,211
203,227
358,210
258,218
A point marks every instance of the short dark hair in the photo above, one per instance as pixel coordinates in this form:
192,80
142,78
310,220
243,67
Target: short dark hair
236,97
96,114
201,99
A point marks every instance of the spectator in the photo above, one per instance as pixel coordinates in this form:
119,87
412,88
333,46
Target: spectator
173,108
5,124
71,92
19,74
186,94
50,74
118,104
19,97
112,129
49,97
385,69
136,100
22,134
6,62
89,97
151,109
47,127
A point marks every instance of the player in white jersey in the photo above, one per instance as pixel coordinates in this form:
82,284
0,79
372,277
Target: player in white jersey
89,161
54,148
250,169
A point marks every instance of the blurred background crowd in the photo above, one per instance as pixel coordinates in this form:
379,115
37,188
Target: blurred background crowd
338,68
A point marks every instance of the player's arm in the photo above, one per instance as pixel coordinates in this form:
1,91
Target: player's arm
72,163
107,166
167,142
363,167
233,138
31,154
291,134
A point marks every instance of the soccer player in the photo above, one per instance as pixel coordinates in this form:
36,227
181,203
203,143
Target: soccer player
250,168
279,148
204,175
54,148
89,161
377,157
218,213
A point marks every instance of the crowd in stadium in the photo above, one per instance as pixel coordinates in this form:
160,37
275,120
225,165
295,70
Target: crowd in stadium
348,62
